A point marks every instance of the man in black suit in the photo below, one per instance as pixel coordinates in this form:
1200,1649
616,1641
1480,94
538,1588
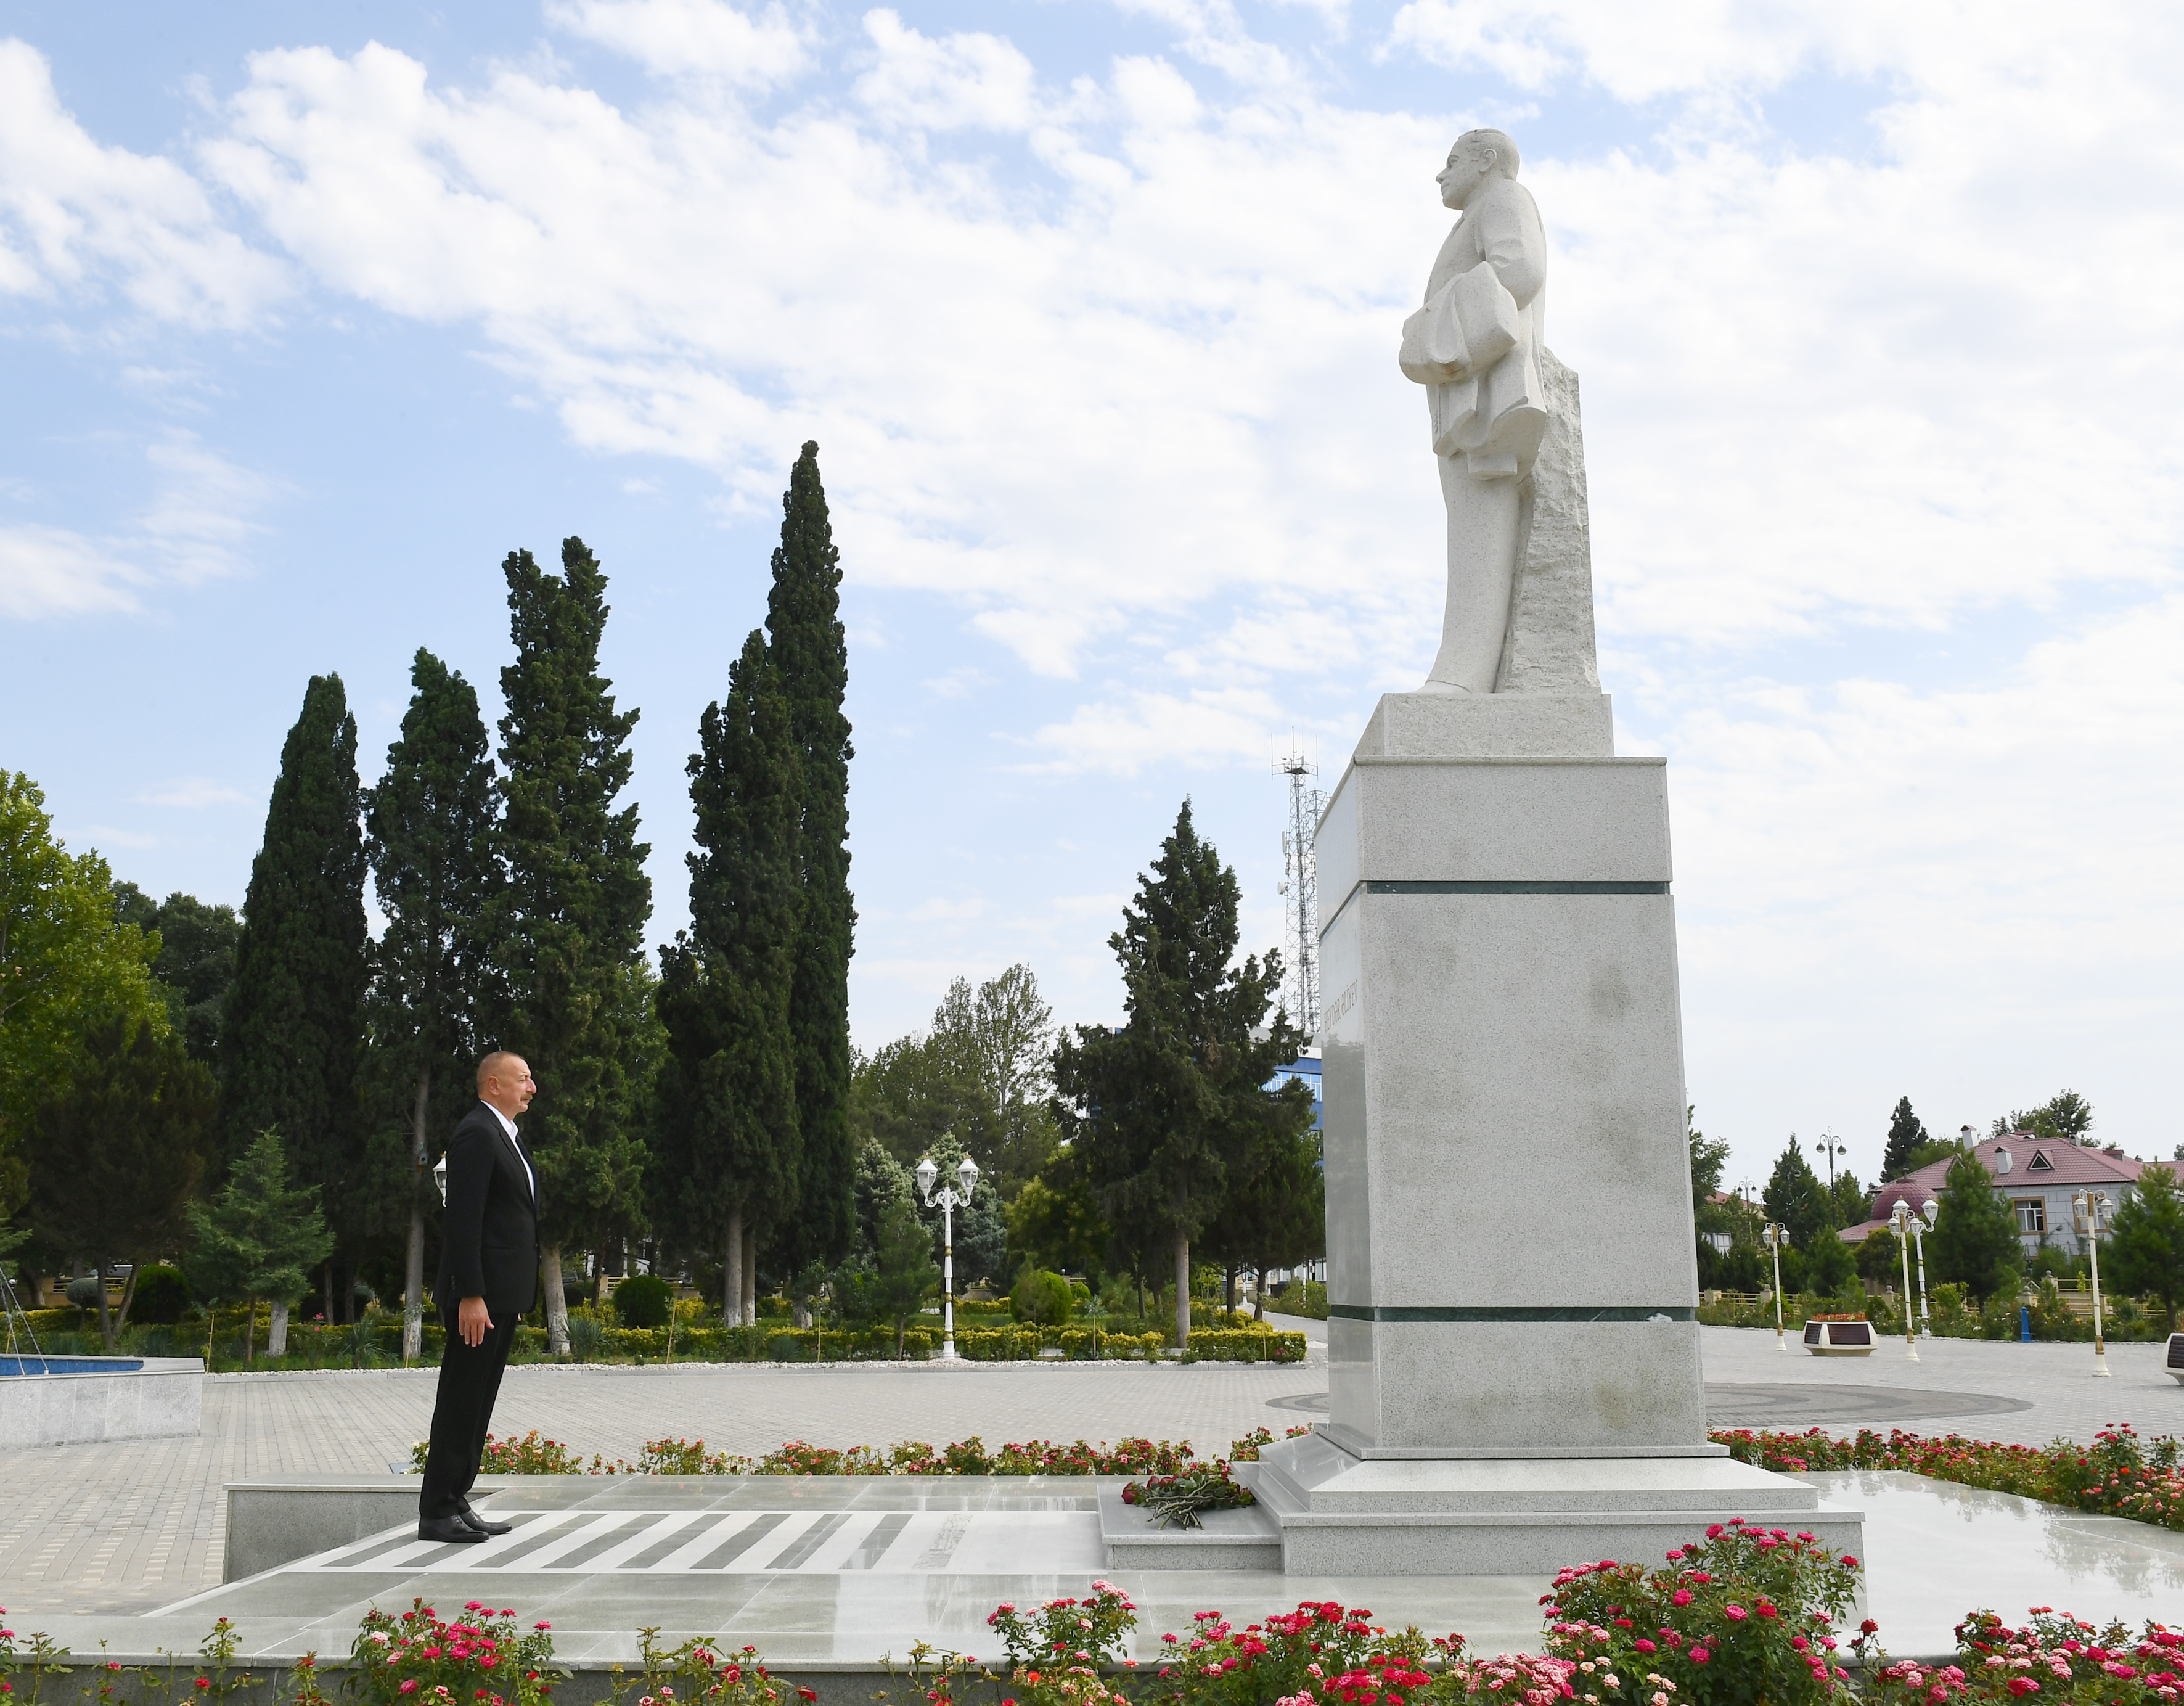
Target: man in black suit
488,1279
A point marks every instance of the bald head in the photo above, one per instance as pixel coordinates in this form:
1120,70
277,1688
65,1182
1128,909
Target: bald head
504,1081
1496,143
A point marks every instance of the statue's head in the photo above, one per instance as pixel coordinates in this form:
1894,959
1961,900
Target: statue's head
1477,156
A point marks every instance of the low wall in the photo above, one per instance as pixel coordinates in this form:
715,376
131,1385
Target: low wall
279,1519
85,1399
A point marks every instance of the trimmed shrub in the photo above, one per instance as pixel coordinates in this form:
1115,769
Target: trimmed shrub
643,1300
162,1297
1041,1298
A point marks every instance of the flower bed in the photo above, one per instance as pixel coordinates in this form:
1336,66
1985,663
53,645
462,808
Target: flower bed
534,1455
1746,1614
2118,1474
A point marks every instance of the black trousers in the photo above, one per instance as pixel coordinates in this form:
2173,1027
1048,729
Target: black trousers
462,1412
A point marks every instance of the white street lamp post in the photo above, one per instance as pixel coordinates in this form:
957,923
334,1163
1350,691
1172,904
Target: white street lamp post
1773,1235
966,1175
1930,1213
2090,1207
1901,1217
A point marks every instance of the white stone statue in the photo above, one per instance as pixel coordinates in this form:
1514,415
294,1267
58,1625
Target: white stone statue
1477,347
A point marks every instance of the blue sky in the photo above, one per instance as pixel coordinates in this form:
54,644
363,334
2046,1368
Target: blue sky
310,313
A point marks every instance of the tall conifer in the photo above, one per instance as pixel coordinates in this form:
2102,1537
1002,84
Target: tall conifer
429,826
566,934
1169,1114
1907,1134
811,658
729,1121
293,1031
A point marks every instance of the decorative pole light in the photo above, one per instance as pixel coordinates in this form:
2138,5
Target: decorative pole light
1929,1212
2089,1208
1775,1237
967,1176
1901,1217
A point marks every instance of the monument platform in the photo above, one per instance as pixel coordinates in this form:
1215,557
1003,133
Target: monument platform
833,1578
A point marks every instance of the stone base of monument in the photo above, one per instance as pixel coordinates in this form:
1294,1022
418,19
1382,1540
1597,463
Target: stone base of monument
1341,1514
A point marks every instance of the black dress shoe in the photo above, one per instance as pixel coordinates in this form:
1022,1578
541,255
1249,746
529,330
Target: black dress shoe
481,1525
448,1528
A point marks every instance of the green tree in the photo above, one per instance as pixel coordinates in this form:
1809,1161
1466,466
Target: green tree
980,1072
1169,1112
1879,1258
195,968
120,1150
1796,1199
1975,1237
2064,1117
1276,1211
811,659
1055,1222
63,956
293,1031
428,834
1830,1264
259,1238
2146,1246
1848,1200
906,1276
880,1182
564,933
729,1132
1906,1133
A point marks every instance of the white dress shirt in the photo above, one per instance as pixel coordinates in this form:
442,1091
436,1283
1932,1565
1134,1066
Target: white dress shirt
508,1125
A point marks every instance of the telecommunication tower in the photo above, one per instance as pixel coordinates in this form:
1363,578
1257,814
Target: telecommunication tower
1299,889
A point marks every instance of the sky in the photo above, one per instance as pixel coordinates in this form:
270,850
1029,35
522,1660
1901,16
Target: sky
310,313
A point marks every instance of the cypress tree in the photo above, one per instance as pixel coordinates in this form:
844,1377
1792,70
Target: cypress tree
811,659
565,934
1169,1114
428,828
729,1095
1795,1199
1975,1239
293,1031
1907,1134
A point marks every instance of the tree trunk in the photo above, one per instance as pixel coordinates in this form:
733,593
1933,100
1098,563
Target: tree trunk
128,1295
732,1271
105,1323
249,1328
1182,1292
1229,1287
1139,1274
276,1335
326,1293
1259,1292
599,1279
557,1303
750,1282
413,1270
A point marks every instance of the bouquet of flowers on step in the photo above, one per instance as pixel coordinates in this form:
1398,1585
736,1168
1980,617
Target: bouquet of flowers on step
479,1658
1177,1501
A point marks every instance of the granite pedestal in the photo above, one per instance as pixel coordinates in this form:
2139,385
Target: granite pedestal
1513,1340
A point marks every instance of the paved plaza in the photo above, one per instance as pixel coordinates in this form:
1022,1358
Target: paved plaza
123,1528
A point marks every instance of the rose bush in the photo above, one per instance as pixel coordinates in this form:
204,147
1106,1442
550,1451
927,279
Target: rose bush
1090,1630
1745,1614
420,1658
2056,1657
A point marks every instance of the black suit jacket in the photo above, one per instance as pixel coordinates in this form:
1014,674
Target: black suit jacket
490,1224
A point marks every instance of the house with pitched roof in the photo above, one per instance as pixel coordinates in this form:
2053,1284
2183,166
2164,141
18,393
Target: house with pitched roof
2036,1176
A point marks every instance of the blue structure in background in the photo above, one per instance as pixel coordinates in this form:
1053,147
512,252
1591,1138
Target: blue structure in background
1304,1068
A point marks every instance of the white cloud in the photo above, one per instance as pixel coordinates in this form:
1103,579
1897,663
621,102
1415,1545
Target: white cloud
193,794
195,527
958,80
73,213
51,572
691,38
1124,735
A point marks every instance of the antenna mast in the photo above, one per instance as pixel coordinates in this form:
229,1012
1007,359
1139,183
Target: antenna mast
1301,892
